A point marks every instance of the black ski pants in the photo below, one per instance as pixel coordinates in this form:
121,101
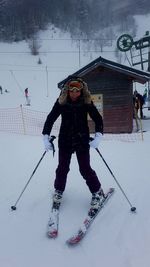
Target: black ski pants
83,158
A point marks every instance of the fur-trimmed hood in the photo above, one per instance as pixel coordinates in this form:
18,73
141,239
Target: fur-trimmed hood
63,98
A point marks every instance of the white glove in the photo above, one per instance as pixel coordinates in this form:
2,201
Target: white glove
47,144
95,142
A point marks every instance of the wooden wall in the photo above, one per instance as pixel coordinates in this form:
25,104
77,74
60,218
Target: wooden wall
117,90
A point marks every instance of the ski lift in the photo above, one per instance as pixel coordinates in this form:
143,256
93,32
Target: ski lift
125,42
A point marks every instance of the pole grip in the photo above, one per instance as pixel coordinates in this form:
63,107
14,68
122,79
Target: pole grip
51,139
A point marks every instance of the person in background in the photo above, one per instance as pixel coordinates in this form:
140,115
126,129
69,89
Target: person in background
145,96
74,104
26,92
138,102
1,90
27,97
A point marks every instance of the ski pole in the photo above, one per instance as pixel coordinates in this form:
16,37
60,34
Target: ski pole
132,208
51,141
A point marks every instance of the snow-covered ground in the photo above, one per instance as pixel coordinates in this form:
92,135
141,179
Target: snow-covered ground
117,237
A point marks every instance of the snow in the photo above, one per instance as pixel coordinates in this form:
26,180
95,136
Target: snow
117,237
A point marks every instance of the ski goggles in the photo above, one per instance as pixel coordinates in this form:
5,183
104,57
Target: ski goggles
76,86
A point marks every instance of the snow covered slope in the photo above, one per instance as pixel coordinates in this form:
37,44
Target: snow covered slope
116,238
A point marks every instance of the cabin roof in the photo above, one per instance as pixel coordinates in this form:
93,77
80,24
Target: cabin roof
135,74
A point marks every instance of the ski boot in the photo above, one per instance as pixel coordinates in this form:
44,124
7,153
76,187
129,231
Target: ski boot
57,197
96,200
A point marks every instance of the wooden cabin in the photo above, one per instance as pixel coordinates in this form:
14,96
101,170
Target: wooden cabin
111,86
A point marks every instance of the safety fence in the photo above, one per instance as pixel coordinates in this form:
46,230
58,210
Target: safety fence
22,120
25,121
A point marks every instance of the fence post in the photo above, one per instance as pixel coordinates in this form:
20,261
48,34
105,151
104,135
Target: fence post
138,123
23,122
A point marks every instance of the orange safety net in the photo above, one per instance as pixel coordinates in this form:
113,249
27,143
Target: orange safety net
22,120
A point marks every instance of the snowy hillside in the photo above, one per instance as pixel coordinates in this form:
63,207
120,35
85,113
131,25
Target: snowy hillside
117,237
60,57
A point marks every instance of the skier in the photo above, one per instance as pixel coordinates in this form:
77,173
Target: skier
74,104
1,90
26,92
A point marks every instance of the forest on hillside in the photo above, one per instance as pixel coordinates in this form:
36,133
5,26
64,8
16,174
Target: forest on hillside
89,19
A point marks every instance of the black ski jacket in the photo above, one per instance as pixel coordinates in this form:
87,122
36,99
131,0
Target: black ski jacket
74,130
